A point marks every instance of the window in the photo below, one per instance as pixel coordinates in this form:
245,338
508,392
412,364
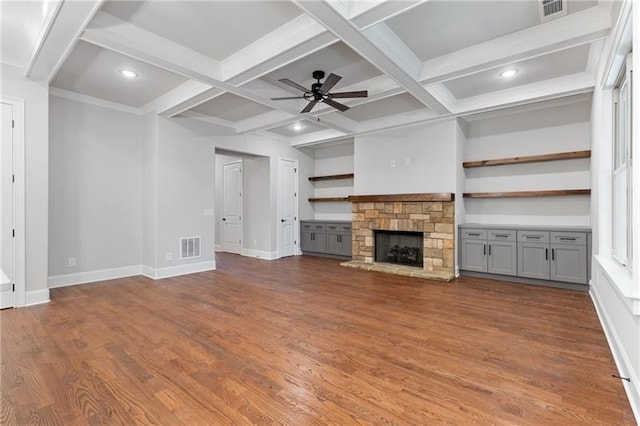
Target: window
622,169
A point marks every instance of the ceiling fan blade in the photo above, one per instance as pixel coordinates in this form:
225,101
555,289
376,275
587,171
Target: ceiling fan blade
330,82
287,97
309,106
336,105
293,84
358,94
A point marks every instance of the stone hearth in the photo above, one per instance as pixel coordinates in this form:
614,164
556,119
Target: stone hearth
431,214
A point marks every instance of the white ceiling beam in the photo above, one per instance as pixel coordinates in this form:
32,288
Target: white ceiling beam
295,39
208,119
382,57
265,121
535,92
170,103
365,14
114,34
58,37
572,30
309,138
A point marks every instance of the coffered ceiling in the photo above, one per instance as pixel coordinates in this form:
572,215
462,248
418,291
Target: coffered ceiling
221,61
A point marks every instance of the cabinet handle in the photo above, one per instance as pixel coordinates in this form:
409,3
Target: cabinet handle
489,249
502,235
546,254
553,254
568,238
532,237
339,238
484,249
313,236
474,234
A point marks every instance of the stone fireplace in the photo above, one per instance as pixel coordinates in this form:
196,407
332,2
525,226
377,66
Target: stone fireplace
398,247
431,216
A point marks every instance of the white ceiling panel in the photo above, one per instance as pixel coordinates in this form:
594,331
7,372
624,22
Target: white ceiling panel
338,59
94,71
545,67
384,107
439,27
289,130
231,108
214,28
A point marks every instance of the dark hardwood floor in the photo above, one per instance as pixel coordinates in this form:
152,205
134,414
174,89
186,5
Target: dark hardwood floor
304,341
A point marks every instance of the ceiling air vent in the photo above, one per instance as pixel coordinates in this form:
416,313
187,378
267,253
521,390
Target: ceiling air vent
552,9
189,247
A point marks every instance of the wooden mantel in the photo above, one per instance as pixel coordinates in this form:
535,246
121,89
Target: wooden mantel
432,196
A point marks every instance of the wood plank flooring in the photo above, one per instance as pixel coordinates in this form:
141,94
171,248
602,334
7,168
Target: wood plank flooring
303,341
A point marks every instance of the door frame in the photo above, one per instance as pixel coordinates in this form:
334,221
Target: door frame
296,224
19,247
222,229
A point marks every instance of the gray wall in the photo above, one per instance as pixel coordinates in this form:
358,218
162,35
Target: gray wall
95,187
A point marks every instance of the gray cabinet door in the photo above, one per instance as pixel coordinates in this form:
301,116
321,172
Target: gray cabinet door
474,255
533,260
306,242
345,240
319,242
334,246
502,258
568,263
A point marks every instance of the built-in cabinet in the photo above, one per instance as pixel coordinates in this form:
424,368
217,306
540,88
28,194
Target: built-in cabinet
551,254
326,238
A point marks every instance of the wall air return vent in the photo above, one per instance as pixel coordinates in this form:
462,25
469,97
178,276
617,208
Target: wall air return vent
189,247
552,9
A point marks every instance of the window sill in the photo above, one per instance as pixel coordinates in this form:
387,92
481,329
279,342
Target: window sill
622,281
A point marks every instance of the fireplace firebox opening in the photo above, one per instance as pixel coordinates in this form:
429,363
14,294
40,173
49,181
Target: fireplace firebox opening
399,247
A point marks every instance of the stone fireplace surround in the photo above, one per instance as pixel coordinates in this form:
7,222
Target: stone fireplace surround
429,213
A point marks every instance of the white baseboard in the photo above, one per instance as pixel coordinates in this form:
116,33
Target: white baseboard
93,276
624,364
174,271
36,297
148,272
260,254
218,247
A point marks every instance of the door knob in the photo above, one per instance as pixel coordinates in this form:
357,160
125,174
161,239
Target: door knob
224,218
282,220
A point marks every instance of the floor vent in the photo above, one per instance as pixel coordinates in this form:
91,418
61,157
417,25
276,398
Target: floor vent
552,9
189,247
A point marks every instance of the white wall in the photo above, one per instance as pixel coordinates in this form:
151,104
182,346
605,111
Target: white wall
333,160
150,193
460,211
257,195
36,103
95,187
430,149
545,131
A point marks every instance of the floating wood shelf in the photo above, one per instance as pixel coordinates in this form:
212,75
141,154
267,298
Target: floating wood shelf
549,193
331,177
438,196
529,159
328,199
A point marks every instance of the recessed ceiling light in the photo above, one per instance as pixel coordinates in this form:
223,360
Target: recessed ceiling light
508,73
129,73
297,127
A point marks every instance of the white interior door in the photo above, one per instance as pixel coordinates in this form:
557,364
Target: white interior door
288,207
6,210
232,207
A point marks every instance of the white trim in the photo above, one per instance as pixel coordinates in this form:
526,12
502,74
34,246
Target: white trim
74,96
296,190
260,254
19,194
65,280
174,271
218,247
624,365
37,297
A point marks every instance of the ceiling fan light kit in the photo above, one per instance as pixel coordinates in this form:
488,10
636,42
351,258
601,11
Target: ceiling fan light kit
320,92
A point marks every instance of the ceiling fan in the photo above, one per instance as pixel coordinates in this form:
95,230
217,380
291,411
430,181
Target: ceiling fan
319,92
